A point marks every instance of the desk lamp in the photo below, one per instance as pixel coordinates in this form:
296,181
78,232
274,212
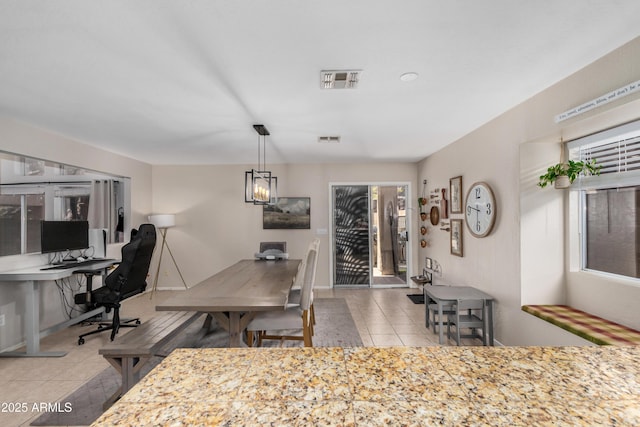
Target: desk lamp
163,222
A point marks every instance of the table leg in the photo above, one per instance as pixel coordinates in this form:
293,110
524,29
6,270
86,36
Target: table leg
490,320
32,325
426,307
32,317
441,326
235,323
129,368
235,339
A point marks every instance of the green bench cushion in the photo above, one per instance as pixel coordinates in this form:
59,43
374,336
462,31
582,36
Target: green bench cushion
592,328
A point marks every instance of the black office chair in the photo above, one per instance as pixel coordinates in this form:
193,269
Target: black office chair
127,280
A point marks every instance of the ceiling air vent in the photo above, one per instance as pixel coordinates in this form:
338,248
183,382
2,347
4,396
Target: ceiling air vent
329,139
339,79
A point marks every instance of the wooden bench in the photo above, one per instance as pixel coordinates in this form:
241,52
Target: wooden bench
131,351
592,328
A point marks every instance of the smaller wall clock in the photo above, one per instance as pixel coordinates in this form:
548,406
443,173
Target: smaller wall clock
480,209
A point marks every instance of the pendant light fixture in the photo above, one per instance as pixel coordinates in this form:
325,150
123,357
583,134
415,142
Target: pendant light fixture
260,187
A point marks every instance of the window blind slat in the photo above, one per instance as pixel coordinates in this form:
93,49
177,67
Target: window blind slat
613,157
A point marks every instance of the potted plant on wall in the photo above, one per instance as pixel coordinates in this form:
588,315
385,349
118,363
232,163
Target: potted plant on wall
422,201
563,174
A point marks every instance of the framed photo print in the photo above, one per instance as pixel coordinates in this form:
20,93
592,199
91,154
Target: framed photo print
455,194
456,237
287,213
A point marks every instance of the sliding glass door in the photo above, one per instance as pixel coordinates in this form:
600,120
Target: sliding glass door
351,235
369,235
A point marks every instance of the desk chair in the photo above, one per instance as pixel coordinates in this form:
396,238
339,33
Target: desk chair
464,317
85,297
127,280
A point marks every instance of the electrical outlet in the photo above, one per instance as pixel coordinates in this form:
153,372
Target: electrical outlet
1,319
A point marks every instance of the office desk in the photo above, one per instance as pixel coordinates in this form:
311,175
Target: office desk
235,294
447,294
30,280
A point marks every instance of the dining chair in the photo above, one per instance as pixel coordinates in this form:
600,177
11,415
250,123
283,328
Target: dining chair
293,318
464,316
294,293
432,314
431,311
297,281
279,246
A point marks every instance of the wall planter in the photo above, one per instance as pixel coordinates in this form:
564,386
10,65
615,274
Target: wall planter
562,175
562,181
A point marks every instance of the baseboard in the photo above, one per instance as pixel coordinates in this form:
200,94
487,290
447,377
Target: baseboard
173,288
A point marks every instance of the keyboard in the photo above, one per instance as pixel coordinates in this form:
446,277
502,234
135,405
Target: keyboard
74,264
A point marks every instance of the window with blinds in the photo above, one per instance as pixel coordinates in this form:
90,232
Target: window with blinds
614,157
616,150
610,202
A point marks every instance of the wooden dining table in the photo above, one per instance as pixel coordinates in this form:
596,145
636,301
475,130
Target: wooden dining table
234,295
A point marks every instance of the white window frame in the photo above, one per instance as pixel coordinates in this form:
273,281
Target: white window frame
622,178
50,181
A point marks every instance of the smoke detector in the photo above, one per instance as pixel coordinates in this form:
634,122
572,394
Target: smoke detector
339,79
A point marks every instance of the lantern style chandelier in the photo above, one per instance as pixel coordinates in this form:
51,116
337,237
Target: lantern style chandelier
260,187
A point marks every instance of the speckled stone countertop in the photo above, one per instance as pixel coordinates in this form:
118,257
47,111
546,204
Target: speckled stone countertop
368,386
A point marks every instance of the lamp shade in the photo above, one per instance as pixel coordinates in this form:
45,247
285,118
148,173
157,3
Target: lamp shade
163,220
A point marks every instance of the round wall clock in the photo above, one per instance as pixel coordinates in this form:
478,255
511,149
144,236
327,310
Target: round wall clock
480,209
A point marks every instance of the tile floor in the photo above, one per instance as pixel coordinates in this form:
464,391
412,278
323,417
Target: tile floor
384,317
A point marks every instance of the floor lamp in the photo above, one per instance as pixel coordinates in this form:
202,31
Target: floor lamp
163,222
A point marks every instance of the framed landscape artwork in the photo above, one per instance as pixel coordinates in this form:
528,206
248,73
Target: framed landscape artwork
287,213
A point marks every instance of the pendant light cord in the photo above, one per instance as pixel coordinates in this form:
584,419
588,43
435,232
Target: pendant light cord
263,166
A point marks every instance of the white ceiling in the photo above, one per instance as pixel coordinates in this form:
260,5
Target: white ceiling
182,82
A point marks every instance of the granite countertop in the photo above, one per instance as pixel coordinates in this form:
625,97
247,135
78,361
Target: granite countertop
368,386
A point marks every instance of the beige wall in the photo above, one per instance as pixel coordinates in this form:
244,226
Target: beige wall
216,228
23,139
526,259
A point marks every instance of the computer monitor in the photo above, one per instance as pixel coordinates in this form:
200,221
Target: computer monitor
59,236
